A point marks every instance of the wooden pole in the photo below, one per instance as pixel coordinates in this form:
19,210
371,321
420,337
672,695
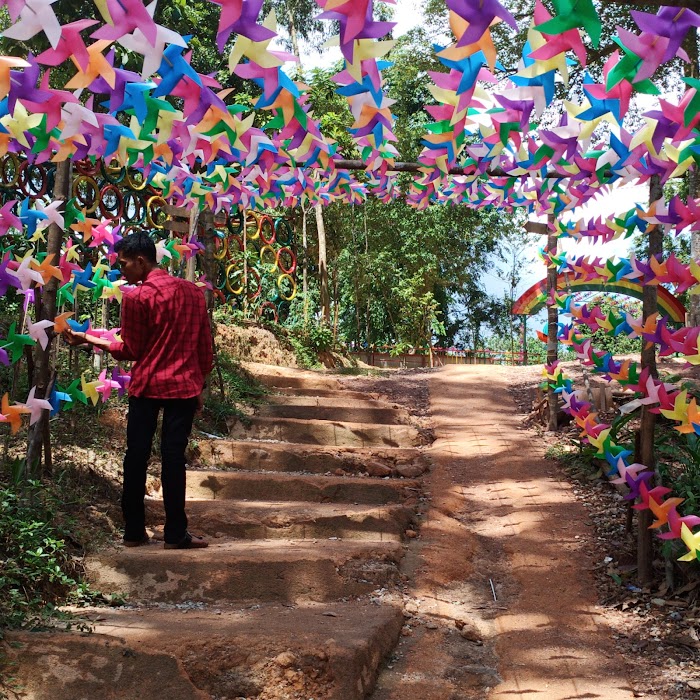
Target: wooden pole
322,266
38,432
305,266
552,325
644,448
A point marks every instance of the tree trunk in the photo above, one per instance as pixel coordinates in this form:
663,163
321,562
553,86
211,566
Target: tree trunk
322,266
305,265
295,41
552,326
644,452
47,310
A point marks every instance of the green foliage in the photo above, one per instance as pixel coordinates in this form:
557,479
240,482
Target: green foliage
618,344
309,340
38,571
231,387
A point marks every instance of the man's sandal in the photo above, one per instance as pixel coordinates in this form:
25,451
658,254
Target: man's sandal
189,541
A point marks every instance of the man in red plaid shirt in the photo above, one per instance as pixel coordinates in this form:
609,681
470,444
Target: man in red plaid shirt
166,332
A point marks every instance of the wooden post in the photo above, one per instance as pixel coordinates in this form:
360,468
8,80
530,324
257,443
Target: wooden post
54,241
245,266
552,325
644,449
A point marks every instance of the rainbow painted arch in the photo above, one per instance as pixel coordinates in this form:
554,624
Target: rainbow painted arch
532,300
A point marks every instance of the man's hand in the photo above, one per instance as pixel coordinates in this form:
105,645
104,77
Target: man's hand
200,403
74,338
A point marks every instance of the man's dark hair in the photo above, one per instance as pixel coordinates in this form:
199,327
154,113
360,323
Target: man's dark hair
136,244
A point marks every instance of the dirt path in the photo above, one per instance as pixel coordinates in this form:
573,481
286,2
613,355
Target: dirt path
501,506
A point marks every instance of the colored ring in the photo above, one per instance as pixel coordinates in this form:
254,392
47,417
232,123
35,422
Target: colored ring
86,166
155,212
133,182
114,209
233,271
268,249
86,192
9,172
220,278
114,174
291,296
267,225
221,244
288,238
132,200
235,222
292,266
33,180
252,225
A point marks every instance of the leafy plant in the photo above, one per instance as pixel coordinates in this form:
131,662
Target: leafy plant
37,570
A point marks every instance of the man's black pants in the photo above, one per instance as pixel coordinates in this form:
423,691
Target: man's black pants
178,415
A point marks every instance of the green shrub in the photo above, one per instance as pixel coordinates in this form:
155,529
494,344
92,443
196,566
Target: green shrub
37,570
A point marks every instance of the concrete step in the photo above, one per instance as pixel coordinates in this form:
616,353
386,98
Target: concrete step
260,570
291,520
323,651
287,457
222,485
319,432
346,414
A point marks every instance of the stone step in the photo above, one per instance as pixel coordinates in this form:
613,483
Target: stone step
346,394
336,400
346,414
290,571
287,457
320,432
291,520
288,378
266,486
322,651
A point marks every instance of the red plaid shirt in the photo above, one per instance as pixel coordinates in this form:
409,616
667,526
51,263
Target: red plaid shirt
165,329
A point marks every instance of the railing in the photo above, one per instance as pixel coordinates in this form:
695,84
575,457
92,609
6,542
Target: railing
381,357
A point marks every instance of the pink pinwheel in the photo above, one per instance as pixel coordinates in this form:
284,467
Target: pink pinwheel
106,386
676,522
657,493
36,406
240,16
70,44
8,219
126,16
